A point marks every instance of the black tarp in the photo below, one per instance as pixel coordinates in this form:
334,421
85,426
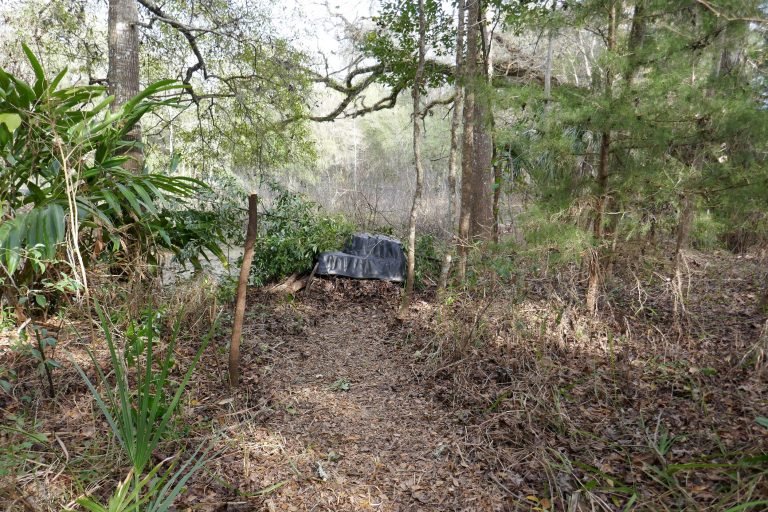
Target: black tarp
366,257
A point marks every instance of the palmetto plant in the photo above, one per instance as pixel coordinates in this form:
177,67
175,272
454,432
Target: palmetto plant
139,416
62,181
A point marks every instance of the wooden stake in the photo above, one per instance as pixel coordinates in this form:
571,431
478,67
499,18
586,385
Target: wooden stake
242,284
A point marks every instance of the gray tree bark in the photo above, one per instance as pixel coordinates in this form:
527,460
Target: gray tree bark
123,73
453,157
417,141
476,217
603,172
468,135
482,216
472,117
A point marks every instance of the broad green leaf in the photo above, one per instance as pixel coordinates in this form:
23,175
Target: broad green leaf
164,235
154,88
5,136
12,248
131,198
57,79
40,83
56,228
12,121
112,201
147,201
25,94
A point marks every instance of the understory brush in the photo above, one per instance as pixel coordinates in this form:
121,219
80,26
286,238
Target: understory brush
130,374
192,301
69,202
292,233
139,411
429,257
571,411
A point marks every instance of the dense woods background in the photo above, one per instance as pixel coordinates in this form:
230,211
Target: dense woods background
581,187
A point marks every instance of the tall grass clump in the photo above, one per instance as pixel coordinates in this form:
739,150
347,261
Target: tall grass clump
139,416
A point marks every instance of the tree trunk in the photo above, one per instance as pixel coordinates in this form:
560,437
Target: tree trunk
635,42
679,291
468,156
684,225
242,285
481,227
453,156
602,176
602,185
416,95
497,178
123,73
548,67
483,173
593,286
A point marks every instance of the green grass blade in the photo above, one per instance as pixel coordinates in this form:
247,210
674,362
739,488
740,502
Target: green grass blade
182,386
100,402
748,505
175,484
126,417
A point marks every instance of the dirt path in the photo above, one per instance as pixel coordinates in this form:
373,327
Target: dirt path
351,428
548,409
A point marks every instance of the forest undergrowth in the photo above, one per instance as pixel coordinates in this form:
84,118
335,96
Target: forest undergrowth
502,396
631,410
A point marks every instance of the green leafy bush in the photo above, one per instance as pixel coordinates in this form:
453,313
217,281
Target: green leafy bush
429,258
62,152
292,233
218,219
745,231
552,239
707,231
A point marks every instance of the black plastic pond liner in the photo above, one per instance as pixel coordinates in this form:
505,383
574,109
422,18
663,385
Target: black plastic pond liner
366,257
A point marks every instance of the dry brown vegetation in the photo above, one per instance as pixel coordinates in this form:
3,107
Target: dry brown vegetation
502,397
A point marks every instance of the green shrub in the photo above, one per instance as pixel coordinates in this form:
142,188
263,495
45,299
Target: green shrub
429,259
292,233
746,231
502,261
139,412
707,231
62,150
553,239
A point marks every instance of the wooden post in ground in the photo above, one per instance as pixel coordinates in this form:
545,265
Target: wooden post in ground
242,284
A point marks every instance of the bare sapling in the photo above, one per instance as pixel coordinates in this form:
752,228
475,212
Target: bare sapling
417,141
453,158
242,284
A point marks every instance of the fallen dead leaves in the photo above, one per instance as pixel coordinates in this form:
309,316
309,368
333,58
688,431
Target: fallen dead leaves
517,403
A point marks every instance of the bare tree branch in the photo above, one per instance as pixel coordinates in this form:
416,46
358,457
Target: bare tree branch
434,103
711,8
188,33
